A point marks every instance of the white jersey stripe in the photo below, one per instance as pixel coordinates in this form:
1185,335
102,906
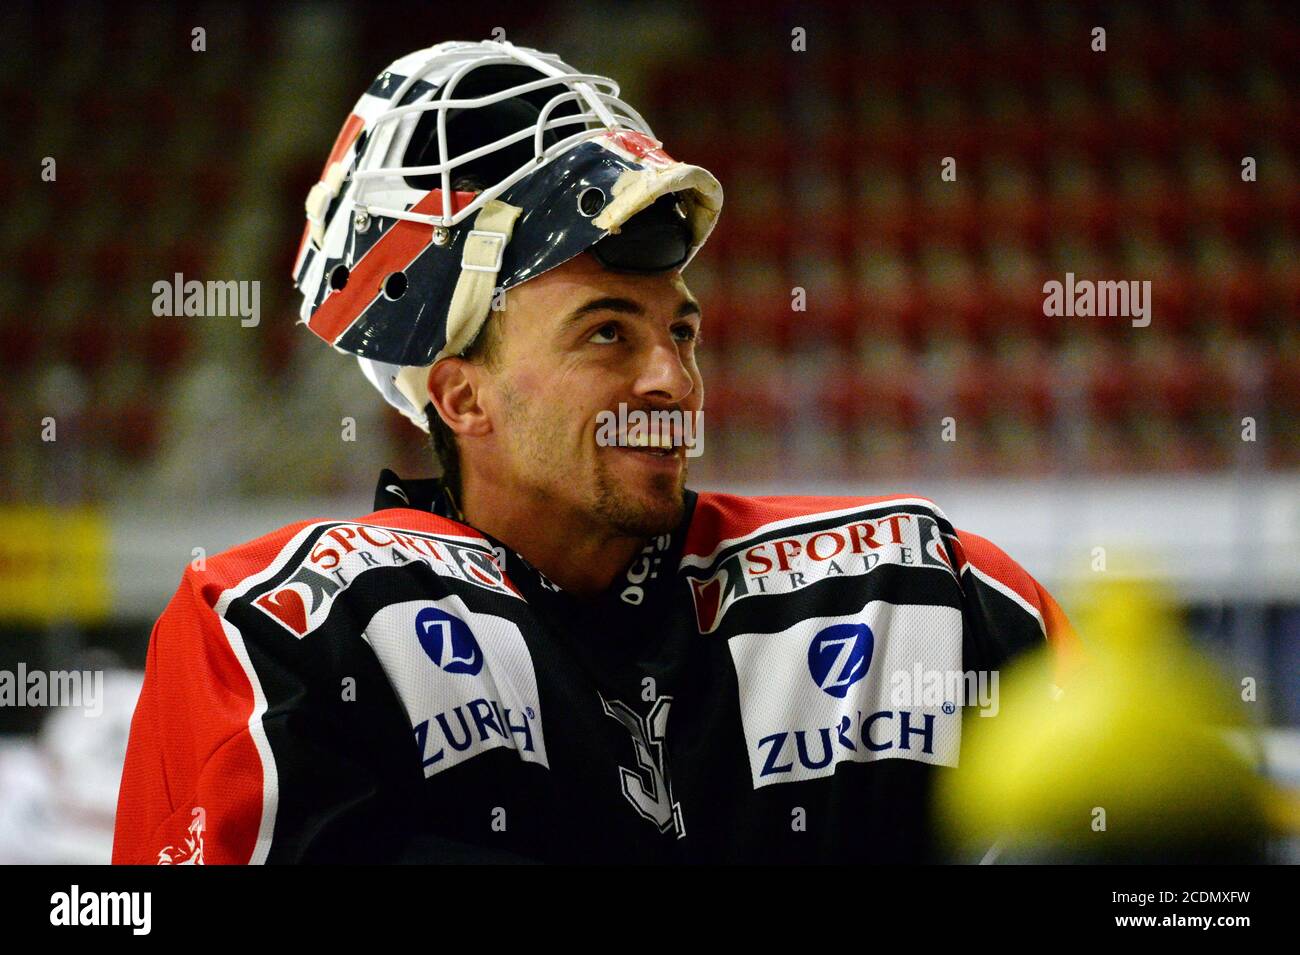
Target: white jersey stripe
1002,588
270,777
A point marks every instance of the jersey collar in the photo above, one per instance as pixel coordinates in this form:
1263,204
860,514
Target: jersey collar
647,575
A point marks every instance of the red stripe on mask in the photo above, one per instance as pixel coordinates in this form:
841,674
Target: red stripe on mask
399,247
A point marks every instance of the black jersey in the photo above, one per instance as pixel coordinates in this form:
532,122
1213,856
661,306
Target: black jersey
780,679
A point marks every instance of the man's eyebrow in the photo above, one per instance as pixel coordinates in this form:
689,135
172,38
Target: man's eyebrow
625,306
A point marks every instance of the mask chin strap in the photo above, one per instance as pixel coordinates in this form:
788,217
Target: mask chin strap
480,263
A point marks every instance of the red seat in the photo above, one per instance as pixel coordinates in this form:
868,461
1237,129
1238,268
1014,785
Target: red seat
1109,387
164,344
851,397
20,342
1023,389
92,341
135,431
112,264
279,340
40,261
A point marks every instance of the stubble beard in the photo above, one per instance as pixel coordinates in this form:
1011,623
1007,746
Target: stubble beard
613,506
633,515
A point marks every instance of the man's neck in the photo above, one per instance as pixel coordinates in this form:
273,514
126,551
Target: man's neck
578,558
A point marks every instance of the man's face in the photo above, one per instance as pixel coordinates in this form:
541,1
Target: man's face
575,342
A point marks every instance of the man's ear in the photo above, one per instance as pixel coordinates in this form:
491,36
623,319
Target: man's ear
454,390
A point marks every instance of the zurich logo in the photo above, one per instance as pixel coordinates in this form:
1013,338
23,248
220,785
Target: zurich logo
840,656
448,641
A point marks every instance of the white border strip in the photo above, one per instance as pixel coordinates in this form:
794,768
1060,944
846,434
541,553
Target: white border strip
270,775
1002,588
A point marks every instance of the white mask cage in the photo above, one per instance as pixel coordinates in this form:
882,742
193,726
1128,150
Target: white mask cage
391,130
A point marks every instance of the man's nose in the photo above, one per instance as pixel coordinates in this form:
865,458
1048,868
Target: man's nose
663,374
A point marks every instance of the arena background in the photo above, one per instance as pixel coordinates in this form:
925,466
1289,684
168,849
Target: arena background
131,444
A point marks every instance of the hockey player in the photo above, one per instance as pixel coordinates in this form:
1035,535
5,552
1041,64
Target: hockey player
556,651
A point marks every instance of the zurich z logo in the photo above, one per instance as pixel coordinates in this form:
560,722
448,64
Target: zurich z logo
840,656
448,641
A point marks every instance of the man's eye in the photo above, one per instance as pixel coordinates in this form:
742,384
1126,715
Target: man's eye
606,334
687,333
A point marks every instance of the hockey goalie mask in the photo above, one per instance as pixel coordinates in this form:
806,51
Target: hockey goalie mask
465,170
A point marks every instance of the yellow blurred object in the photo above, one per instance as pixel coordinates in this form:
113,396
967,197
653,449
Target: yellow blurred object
1132,759
53,565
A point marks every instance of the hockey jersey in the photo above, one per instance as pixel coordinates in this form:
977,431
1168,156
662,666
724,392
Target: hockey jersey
758,686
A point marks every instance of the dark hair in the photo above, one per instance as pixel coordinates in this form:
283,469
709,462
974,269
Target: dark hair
483,350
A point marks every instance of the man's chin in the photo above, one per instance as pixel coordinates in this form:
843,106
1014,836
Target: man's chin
654,509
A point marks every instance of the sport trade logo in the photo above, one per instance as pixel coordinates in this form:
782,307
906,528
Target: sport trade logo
660,431
754,566
339,553
75,907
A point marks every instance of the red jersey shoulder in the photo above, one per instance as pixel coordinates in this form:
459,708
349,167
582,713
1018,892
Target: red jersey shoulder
801,532
719,518
979,557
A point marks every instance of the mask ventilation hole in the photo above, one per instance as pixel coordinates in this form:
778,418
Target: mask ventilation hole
591,201
338,277
395,286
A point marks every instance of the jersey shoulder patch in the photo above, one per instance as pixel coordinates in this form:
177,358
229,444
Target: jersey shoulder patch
761,547
725,518
295,573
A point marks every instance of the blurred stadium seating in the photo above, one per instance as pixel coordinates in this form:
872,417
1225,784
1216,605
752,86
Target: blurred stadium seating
922,295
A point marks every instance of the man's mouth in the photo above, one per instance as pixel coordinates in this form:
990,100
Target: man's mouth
659,445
